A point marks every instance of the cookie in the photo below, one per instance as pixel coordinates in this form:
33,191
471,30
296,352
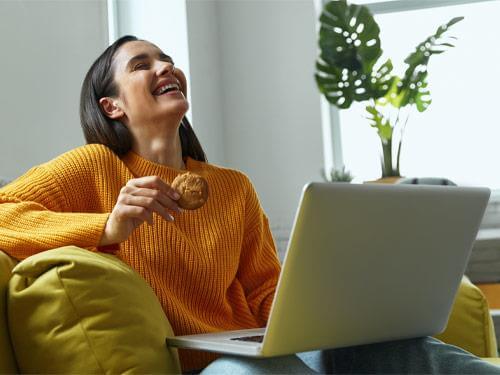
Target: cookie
193,190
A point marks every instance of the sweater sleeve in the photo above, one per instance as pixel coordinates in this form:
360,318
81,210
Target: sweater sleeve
35,216
259,267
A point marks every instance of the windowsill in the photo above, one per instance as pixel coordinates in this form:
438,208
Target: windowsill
489,236
492,215
495,196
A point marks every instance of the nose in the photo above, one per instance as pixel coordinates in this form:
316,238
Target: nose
164,68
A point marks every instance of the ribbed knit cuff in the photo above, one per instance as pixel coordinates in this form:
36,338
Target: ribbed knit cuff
109,249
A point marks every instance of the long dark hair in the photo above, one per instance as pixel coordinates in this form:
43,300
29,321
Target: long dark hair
98,128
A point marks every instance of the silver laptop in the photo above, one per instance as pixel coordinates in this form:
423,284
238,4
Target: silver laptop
365,263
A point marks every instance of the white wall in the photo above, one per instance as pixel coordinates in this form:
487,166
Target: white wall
206,78
255,104
47,47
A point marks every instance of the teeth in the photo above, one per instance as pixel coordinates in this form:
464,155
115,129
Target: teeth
166,87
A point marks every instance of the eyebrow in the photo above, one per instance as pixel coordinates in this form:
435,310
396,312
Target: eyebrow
143,56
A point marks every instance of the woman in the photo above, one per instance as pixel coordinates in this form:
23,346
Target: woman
212,269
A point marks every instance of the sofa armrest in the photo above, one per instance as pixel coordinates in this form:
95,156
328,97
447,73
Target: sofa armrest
470,325
71,310
7,360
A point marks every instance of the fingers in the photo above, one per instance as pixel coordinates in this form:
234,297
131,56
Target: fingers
136,203
148,205
152,194
154,182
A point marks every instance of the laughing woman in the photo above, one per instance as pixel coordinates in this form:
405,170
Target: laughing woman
212,269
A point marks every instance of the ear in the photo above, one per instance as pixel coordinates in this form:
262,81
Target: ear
111,108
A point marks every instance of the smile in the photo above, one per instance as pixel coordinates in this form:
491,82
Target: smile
167,88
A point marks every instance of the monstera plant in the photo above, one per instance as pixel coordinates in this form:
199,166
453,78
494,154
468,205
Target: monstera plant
349,69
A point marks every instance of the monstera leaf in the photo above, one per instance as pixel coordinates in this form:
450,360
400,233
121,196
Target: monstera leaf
396,97
377,121
350,47
384,130
413,86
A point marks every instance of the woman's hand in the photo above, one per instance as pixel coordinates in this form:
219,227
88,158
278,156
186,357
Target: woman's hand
137,201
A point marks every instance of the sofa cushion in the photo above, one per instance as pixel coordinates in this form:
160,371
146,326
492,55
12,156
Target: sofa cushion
494,361
7,361
470,325
75,311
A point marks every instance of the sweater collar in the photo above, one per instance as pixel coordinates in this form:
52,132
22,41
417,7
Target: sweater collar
141,167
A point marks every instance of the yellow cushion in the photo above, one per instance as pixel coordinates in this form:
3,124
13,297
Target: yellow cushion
470,325
7,361
493,361
74,311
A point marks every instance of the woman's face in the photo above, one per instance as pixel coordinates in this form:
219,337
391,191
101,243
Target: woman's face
150,90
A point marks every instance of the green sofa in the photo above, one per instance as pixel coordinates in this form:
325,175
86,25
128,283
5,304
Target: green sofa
70,310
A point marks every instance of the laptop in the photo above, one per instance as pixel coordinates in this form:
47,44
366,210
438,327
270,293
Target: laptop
365,263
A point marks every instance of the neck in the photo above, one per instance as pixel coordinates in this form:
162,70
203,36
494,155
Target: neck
162,148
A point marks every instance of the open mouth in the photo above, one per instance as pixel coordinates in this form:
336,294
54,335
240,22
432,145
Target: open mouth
166,89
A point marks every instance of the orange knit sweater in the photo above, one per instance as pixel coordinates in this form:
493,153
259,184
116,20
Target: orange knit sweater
212,269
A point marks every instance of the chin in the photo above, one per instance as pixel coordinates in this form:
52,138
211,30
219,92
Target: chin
177,110
182,108
175,104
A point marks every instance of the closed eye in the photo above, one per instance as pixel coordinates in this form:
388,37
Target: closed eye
141,66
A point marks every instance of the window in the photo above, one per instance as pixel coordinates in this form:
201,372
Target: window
458,137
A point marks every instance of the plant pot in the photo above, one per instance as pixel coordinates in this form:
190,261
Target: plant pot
385,180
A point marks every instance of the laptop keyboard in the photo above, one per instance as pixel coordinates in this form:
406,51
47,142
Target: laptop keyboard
259,338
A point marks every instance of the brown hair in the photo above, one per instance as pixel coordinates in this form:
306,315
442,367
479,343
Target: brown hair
98,128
